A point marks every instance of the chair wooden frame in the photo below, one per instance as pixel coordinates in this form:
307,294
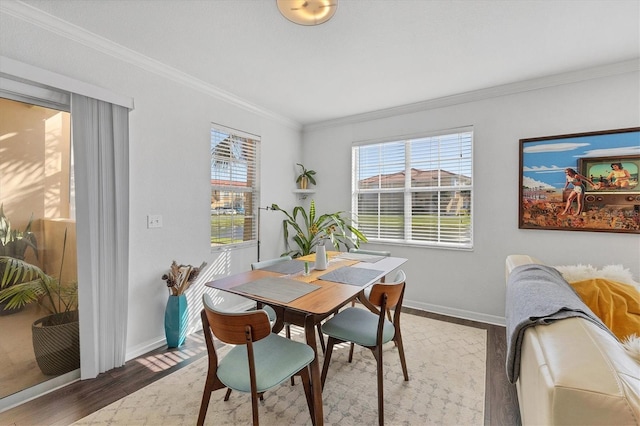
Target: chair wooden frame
238,329
382,296
384,253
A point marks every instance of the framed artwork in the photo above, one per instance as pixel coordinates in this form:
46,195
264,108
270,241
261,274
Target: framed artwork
581,182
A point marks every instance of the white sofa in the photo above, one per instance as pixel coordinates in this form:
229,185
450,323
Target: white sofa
574,373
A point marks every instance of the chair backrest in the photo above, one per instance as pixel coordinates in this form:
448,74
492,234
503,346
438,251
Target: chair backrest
265,263
394,292
236,327
371,252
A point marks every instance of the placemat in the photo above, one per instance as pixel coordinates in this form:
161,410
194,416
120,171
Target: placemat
361,257
287,267
351,276
274,288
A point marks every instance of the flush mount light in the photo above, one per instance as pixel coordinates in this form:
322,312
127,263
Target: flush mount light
307,12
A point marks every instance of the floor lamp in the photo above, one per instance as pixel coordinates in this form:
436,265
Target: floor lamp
261,208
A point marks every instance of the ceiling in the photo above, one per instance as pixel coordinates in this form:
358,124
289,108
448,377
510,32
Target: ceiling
373,54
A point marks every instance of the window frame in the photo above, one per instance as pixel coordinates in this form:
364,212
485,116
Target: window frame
236,191
407,192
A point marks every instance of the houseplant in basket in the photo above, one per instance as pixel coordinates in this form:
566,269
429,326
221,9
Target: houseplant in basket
56,337
178,280
14,243
309,230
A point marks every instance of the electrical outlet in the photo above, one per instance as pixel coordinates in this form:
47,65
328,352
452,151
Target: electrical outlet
154,221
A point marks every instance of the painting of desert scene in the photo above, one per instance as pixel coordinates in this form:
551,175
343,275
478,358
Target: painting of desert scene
584,182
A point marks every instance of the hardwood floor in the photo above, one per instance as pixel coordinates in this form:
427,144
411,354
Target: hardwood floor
77,400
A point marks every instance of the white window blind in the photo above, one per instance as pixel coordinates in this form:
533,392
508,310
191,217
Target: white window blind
234,186
415,191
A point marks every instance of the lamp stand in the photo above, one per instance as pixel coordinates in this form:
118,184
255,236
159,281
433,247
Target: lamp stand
260,208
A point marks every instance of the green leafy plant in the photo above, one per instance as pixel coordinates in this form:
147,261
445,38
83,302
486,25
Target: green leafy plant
309,230
23,283
14,243
308,174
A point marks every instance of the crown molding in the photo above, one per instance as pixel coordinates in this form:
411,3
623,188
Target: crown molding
77,34
554,80
72,32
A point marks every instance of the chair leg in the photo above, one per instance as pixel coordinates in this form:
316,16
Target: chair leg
287,331
254,407
377,354
211,384
228,394
351,345
204,405
306,384
321,337
327,360
403,362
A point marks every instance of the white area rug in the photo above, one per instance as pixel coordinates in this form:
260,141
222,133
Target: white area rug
446,364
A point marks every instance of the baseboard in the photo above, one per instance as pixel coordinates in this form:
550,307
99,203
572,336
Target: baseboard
195,325
146,347
457,313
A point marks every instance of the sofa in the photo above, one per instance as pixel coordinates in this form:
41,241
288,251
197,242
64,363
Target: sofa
572,372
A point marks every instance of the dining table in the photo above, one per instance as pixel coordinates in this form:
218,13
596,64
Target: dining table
304,296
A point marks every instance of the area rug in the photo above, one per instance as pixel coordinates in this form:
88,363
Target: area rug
446,364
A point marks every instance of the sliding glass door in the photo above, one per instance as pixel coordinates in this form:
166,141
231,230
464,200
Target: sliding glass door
37,227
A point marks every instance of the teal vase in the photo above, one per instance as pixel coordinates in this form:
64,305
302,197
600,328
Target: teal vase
176,320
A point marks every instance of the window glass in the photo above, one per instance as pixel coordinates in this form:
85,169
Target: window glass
234,159
416,191
37,225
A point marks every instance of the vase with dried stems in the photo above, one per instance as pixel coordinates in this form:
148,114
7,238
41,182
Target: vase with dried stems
178,280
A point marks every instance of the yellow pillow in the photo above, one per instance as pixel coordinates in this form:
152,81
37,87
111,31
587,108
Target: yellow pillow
616,304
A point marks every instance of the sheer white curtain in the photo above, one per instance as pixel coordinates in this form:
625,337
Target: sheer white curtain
100,134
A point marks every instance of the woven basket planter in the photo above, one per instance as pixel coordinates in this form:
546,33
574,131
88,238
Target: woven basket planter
4,311
57,345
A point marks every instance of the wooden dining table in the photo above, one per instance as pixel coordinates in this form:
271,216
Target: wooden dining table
310,309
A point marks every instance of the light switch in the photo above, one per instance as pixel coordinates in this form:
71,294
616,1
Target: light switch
154,221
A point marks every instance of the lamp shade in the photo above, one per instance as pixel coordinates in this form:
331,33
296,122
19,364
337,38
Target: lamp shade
307,12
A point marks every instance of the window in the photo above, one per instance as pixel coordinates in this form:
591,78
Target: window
415,191
234,193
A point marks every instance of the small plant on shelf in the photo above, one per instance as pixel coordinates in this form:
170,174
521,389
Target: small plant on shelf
305,177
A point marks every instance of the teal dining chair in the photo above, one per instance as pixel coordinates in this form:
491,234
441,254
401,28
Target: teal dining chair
384,253
370,329
259,361
270,262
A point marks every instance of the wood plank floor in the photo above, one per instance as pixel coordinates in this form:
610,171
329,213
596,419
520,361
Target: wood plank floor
79,399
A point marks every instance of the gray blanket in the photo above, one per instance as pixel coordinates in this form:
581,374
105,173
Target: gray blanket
538,295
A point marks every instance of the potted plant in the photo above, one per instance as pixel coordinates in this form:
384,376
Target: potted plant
56,341
316,230
14,243
305,177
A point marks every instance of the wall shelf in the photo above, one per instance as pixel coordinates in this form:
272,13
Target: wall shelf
304,193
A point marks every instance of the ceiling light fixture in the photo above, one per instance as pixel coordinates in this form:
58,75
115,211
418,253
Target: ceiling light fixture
307,12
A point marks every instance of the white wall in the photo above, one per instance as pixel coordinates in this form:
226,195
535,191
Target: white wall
472,284
169,162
